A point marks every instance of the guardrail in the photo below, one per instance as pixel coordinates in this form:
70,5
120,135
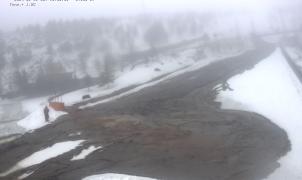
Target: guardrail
291,63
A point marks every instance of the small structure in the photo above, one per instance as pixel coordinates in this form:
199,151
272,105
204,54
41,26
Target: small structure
57,104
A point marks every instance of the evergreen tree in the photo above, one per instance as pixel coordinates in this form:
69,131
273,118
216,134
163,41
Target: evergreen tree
82,59
156,35
65,47
2,51
21,81
108,73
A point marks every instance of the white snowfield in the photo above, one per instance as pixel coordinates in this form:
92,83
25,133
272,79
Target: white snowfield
273,90
111,176
43,155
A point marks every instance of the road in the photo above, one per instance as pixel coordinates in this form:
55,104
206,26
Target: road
172,131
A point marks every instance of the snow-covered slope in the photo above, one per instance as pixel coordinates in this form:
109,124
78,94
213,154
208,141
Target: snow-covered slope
139,76
273,90
36,118
168,63
79,47
164,65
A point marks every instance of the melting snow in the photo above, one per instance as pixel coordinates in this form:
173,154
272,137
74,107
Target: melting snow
25,175
85,152
110,176
273,90
43,155
36,119
75,134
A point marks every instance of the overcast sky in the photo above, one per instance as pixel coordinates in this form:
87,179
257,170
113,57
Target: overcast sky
11,17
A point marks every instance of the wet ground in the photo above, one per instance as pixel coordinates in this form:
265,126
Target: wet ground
171,131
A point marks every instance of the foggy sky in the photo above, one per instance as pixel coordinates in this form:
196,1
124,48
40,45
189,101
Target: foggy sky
12,17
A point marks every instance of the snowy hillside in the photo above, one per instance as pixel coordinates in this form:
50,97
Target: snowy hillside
273,90
106,55
39,59
141,76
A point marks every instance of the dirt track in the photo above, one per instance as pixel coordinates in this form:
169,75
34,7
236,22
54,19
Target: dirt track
171,131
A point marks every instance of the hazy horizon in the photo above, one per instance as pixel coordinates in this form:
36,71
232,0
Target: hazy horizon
13,17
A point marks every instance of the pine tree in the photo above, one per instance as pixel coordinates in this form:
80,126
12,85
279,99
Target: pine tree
21,81
108,73
156,35
2,51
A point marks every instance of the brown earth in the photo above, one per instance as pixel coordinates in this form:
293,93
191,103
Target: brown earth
171,131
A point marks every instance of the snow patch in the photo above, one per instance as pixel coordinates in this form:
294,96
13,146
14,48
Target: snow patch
273,90
25,175
30,105
36,119
75,134
111,176
43,155
85,152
